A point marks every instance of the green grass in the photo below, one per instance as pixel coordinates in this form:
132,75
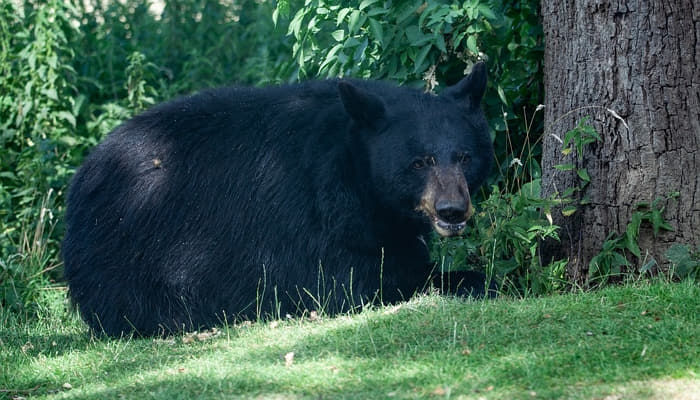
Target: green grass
636,341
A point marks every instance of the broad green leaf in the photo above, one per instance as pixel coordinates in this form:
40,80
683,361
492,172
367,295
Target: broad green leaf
377,31
619,261
354,21
341,15
373,12
420,58
440,43
532,189
295,24
583,174
338,35
51,94
351,42
633,225
69,141
569,136
416,37
658,222
486,11
366,3
331,56
79,103
360,50
631,244
471,45
66,116
311,26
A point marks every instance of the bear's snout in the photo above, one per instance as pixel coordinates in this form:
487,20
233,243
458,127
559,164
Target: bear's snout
445,200
451,211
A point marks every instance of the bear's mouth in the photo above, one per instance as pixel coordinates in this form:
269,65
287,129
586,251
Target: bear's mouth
446,229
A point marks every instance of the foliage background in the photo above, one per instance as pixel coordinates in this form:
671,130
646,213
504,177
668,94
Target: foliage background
70,71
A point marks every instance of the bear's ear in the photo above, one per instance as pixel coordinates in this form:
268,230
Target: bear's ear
471,88
365,108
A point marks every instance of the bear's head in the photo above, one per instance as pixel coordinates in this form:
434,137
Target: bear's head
426,153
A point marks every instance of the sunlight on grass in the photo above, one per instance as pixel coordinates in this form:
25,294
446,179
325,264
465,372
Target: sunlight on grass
592,345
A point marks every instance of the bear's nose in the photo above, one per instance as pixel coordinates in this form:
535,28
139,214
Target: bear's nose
452,212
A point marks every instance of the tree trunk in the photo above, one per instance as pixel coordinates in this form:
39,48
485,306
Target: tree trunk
634,63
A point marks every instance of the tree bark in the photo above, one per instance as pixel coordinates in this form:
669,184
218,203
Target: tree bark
640,59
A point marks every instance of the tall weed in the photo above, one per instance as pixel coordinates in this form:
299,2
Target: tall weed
70,71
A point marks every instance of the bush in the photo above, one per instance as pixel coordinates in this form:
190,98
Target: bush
70,71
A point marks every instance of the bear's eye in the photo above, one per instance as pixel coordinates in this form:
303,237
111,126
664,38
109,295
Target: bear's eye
464,158
423,162
418,163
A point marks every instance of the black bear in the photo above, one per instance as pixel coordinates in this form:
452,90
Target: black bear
240,202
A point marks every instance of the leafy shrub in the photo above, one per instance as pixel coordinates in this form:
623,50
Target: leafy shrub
685,261
423,43
70,71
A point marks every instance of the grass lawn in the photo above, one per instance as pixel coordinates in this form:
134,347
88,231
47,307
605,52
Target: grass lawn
632,342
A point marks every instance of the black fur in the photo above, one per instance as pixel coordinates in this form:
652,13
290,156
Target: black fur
232,201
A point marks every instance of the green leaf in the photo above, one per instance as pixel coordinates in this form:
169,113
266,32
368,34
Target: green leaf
69,141
373,12
283,8
338,35
295,24
486,11
583,174
634,224
568,211
631,245
420,58
366,3
275,16
569,136
471,45
66,116
565,167
685,264
440,43
532,189
331,55
341,16
658,222
499,89
619,261
51,94
351,42
79,103
377,31
354,21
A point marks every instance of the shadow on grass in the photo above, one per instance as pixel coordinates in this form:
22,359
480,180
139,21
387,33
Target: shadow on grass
493,348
